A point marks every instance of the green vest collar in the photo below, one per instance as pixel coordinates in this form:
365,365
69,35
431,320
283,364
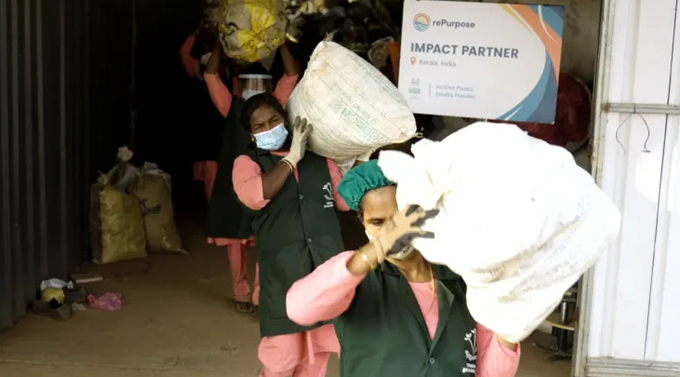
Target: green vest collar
445,297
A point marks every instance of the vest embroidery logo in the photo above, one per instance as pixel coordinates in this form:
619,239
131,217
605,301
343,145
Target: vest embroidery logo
328,195
471,352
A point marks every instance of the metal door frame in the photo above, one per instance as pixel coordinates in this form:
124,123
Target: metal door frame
581,365
599,118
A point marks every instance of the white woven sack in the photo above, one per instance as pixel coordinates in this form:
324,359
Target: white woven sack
354,108
519,220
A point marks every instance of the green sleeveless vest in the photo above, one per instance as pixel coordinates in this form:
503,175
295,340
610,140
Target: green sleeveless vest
383,333
296,232
225,216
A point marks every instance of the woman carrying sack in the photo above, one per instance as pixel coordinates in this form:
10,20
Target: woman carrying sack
395,314
292,198
226,224
205,133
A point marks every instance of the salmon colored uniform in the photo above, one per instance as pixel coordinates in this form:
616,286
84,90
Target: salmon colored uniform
303,354
328,291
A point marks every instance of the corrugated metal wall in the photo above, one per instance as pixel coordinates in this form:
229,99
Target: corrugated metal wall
65,74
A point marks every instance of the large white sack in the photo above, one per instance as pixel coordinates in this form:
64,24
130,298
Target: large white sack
519,220
354,108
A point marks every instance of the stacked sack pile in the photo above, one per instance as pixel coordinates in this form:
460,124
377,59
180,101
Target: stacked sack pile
131,212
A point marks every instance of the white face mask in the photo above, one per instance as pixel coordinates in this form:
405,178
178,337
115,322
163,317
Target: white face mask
247,93
273,139
401,254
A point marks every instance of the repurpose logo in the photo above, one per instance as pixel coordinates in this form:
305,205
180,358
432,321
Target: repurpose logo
421,22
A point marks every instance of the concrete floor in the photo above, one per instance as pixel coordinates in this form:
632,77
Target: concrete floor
175,322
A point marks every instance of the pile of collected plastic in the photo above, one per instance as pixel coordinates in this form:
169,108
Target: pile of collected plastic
131,212
356,25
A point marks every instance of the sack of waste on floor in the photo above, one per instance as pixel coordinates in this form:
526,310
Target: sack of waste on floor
520,222
354,108
153,189
116,223
250,30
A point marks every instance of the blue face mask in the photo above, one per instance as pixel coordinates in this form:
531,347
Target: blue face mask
273,139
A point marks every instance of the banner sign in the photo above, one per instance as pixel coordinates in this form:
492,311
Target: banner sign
481,60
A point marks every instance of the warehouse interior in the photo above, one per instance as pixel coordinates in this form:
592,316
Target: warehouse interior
78,80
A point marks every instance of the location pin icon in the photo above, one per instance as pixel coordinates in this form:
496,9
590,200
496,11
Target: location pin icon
413,60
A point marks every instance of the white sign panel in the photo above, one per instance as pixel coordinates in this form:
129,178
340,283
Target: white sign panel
481,60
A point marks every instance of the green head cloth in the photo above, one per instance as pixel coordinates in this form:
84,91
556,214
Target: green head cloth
360,180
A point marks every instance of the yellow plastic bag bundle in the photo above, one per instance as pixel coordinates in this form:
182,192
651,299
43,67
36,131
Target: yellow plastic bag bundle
49,294
117,226
251,30
116,223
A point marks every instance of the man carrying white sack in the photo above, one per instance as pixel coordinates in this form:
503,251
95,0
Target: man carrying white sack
518,221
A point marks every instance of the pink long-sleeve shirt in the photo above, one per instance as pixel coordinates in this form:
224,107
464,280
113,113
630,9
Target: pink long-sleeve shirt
247,179
221,97
328,292
189,62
